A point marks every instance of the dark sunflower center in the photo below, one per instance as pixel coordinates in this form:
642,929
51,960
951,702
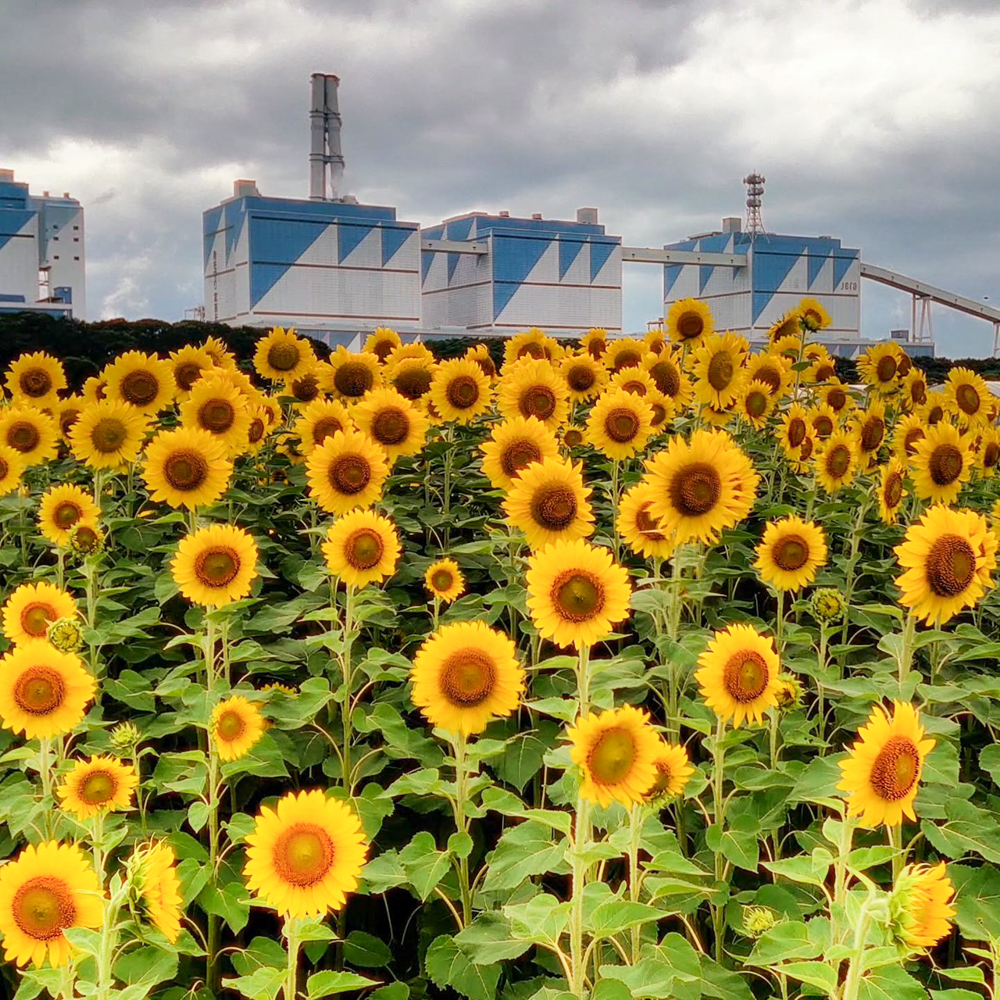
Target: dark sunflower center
23,436
838,461
66,420
885,370
306,389
596,348
769,376
626,359
462,392
636,388
283,356
350,474
519,454
612,756
720,371
796,431
695,489
690,325
872,433
35,382
139,387
967,399
934,415
353,379
486,365
538,401
836,399
390,426
823,426
324,428
256,430
905,364
108,435
825,371
577,595
216,415
230,725
98,787
756,403
918,392
648,525
991,455
659,414
945,464
442,580
535,351
790,553
39,690
468,678
364,549
951,566
185,469
85,539
303,854
186,374
4,469
43,907
896,768
580,378
621,424
35,618
66,514
805,452
745,676
667,378
572,438
892,494
554,507
383,348
217,567
913,435
413,381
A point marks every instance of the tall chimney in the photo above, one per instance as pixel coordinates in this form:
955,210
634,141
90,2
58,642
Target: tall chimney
325,123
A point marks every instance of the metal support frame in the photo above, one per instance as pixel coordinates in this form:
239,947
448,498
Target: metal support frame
478,247
653,255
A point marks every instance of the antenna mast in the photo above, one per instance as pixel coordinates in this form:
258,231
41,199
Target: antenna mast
755,192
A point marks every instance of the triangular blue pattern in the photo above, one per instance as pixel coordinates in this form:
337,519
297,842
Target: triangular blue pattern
704,274
671,272
569,250
503,292
349,236
452,264
771,269
760,301
235,214
841,265
816,261
13,220
460,229
211,225
599,253
284,242
393,237
426,259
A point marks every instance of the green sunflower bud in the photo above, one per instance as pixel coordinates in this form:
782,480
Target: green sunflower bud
66,635
828,604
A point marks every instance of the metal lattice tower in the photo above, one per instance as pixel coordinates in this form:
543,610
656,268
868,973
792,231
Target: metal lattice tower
755,192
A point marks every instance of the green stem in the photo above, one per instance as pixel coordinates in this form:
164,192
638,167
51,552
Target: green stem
462,823
583,681
719,815
905,660
348,684
856,967
209,652
896,843
99,853
214,927
635,818
579,868
291,973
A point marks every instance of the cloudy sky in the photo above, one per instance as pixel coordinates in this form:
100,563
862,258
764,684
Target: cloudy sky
873,120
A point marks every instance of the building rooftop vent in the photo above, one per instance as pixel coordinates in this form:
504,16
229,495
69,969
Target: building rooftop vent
587,216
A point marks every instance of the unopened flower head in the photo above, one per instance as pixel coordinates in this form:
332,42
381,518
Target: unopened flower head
757,920
125,738
828,604
789,692
66,635
86,539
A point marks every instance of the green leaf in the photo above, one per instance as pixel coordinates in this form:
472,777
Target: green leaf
814,973
508,804
968,828
788,940
524,850
447,966
606,914
149,965
890,983
366,950
326,983
542,919
809,868
977,901
261,984
424,864
489,938
391,991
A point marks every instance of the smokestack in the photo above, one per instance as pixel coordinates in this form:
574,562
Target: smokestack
325,157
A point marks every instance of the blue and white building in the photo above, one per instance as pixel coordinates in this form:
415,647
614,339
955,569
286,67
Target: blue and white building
42,257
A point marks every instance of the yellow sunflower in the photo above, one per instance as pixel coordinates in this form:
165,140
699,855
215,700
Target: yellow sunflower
667,372
67,412
635,380
381,342
257,429
186,467
755,404
464,675
948,557
576,593
935,408
310,385
412,377
822,421
663,408
655,339
595,342
738,674
346,471
584,376
32,608
319,420
513,445
968,397
881,774
281,356
837,461
788,326
570,437
220,354
459,390
788,346
61,509
879,368
640,531
534,389
47,889
305,856
215,565
444,580
160,888
408,352
701,486
790,552
837,396
891,490
622,353
391,420
107,435
771,369
717,366
354,375
688,320
101,784
188,364
942,463
43,691
235,727
533,343
907,432
214,405
141,381
919,906
33,434
616,752
813,315
870,430
802,459
619,424
36,379
914,389
362,547
11,469
794,429
673,771
480,353
989,453
548,502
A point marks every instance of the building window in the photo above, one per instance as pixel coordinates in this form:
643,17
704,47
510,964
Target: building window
76,227
76,239
56,257
76,258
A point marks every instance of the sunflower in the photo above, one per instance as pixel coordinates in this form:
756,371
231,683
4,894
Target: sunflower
235,727
412,377
534,389
186,467
585,377
43,691
919,906
354,375
214,405
989,452
319,420
638,528
947,557
444,580
576,593
788,325
790,552
822,368
160,888
257,430
215,565
61,509
459,390
801,460
595,342
914,389
870,429
108,434
513,445
794,429
414,351
281,356
616,752
305,856
813,315
771,369
188,364
822,421
738,674
47,889
755,404
571,436
942,463
663,409
788,346
32,608
390,419
30,432
67,412
141,381
11,469
701,486
220,354
98,785
716,417
717,366
619,424
316,383
667,372
836,396
533,343
881,773
362,547
655,339
480,353
968,397
36,379
464,675
625,352
381,342
837,461
673,771
548,502
688,320
934,409
879,368
346,471
94,389
635,380
891,491
908,431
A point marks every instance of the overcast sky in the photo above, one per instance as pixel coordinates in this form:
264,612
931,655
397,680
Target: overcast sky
873,120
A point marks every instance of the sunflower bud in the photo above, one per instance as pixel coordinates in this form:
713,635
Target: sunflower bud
828,604
86,538
757,920
919,914
788,692
125,738
66,635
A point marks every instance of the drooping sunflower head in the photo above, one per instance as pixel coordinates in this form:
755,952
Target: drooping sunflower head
464,675
881,775
381,342
346,471
186,467
143,382
391,420
459,390
33,434
738,674
879,368
188,364
576,593
282,356
235,727
548,501
154,867
101,784
36,379
813,315
319,420
688,320
305,855
673,772
354,375
968,397
444,580
920,907
616,752
362,547
942,463
787,326
585,377
63,507
837,461
107,434
891,490
717,367
215,565
513,445
31,608
480,353
639,529
619,424
534,389
790,553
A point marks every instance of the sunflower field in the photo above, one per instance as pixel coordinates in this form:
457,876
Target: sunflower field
625,668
